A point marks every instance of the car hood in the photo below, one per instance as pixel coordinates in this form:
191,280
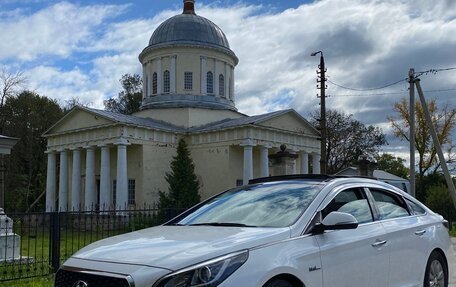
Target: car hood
175,247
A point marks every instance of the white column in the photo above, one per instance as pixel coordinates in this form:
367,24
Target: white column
159,77
315,163
304,162
293,168
145,81
203,75
216,79
150,74
122,175
90,183
105,179
264,161
63,181
76,181
172,79
248,160
227,82
232,84
50,182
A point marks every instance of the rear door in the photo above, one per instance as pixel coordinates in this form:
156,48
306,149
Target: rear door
355,257
407,233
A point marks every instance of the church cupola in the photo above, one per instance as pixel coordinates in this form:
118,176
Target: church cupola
188,63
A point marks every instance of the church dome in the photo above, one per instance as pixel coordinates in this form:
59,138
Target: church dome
189,29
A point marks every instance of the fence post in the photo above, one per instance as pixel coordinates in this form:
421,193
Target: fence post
55,241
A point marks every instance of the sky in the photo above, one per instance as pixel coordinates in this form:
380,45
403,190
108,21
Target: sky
80,49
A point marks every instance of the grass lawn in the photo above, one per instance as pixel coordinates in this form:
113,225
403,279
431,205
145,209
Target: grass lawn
34,282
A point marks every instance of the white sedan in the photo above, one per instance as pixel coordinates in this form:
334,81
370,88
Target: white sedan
292,231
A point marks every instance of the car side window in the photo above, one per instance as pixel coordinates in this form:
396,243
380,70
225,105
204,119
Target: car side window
389,205
416,209
352,201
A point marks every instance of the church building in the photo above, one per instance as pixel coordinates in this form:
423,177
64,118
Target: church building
100,159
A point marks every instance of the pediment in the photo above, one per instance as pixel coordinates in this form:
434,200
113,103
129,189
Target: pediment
78,119
290,121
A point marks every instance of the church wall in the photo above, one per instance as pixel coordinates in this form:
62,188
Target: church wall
236,164
135,170
156,161
212,169
188,62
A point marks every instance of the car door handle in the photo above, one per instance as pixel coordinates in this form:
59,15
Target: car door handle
379,243
420,232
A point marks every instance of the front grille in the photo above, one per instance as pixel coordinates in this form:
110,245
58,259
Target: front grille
65,278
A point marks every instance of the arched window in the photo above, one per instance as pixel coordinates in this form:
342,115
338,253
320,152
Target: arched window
221,85
154,84
210,83
166,84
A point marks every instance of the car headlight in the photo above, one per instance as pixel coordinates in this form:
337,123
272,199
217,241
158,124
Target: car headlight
207,274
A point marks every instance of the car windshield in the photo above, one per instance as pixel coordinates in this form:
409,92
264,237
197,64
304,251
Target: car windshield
263,205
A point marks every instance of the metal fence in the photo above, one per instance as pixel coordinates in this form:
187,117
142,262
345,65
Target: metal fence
40,242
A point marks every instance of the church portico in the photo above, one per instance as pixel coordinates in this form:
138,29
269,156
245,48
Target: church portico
88,185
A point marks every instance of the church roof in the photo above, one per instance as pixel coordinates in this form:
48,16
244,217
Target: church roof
252,120
137,121
165,126
189,29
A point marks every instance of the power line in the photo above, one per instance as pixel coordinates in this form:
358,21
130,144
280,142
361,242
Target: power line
418,74
390,93
434,71
369,89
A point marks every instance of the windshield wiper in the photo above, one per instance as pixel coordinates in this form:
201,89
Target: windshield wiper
229,224
174,224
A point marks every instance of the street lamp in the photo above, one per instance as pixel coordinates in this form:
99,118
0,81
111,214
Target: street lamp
322,81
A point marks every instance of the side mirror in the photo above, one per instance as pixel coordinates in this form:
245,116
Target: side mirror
336,221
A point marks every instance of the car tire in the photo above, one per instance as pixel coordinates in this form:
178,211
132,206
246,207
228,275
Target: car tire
279,283
436,271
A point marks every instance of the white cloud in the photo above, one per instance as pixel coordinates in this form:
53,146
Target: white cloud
57,30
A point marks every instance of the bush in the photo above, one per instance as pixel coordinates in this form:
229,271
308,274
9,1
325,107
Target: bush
439,200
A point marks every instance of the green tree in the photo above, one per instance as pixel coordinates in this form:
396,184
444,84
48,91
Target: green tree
28,115
129,100
393,165
348,139
439,200
183,184
444,120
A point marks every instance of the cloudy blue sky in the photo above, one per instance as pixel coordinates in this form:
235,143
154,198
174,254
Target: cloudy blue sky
80,49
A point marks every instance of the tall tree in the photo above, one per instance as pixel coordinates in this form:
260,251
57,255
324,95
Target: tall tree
28,116
183,183
348,139
444,120
129,100
393,165
10,83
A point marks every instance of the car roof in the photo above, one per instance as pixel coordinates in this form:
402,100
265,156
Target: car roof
297,177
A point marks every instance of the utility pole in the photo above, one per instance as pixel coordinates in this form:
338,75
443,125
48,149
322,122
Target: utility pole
322,86
436,141
412,131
